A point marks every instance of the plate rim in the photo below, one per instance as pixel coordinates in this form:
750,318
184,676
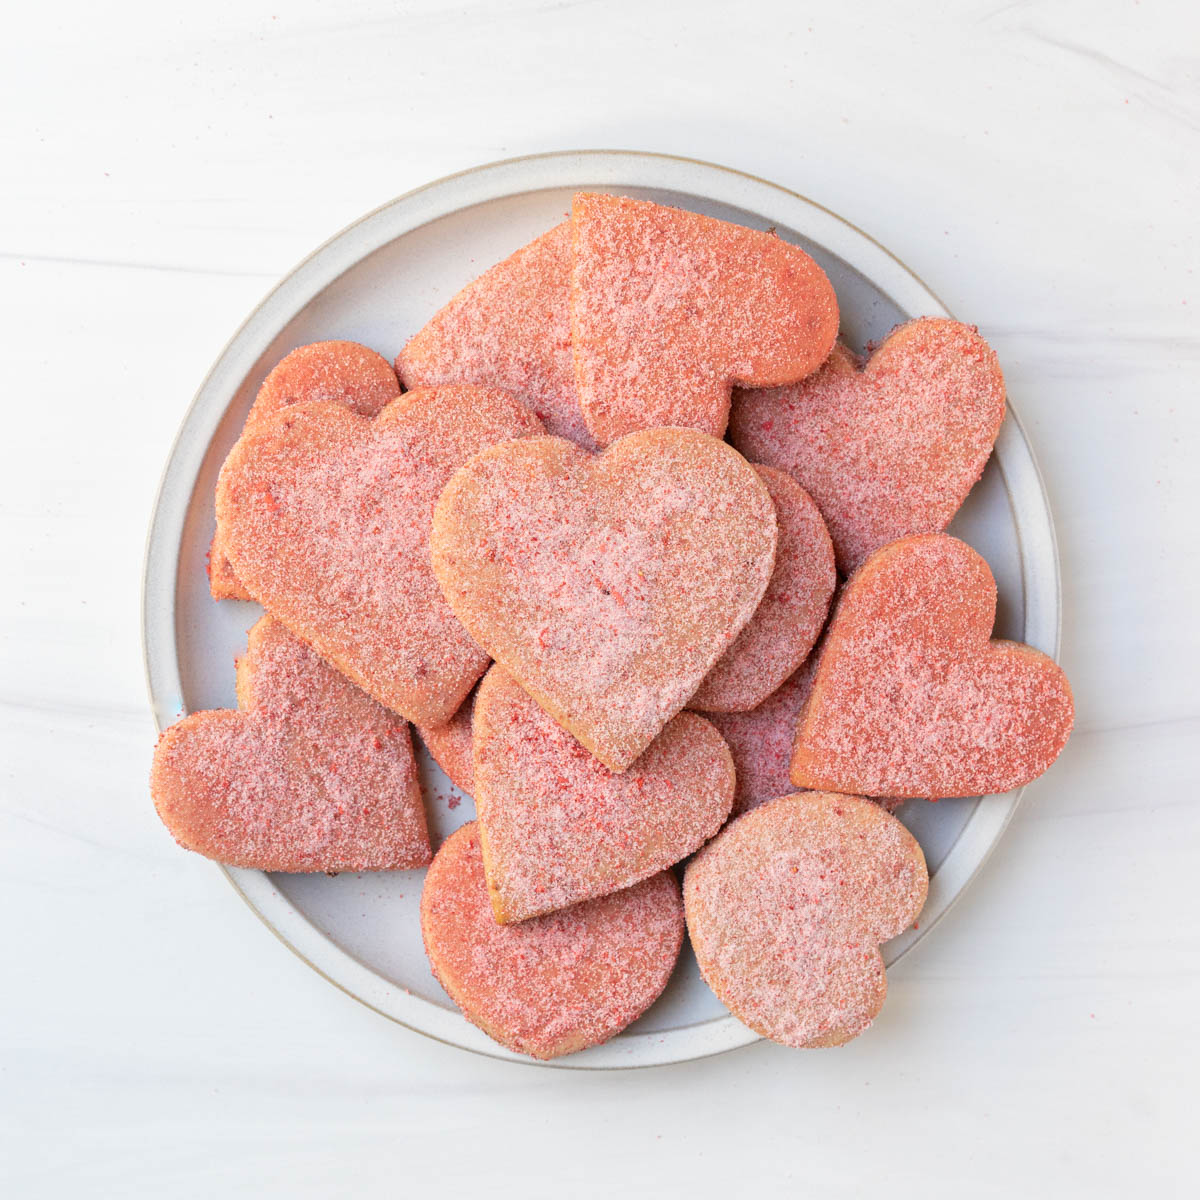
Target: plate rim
505,178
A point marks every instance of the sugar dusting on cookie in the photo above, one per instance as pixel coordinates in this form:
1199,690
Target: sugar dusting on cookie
912,700
553,984
608,585
787,908
322,372
890,450
669,308
314,776
510,328
559,827
327,517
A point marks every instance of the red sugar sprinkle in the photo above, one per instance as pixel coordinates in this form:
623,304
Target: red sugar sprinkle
554,984
312,776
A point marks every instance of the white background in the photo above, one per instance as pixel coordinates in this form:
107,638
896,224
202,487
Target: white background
163,165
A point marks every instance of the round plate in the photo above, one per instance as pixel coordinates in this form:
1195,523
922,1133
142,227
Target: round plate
377,282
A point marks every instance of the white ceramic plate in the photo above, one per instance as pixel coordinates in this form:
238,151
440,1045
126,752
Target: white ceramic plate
377,282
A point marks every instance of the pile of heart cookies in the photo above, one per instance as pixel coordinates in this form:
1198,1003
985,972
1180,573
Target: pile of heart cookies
657,570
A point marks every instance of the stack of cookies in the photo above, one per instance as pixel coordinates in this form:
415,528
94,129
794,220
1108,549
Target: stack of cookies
657,570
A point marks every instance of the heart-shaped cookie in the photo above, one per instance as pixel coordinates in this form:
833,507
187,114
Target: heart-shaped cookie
555,984
670,308
327,516
607,585
557,826
510,328
911,699
889,450
344,372
451,743
777,639
786,909
312,775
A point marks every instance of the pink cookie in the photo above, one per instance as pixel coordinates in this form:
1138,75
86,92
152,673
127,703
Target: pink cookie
342,372
312,775
670,308
777,639
327,516
786,909
558,827
510,328
911,699
888,450
607,585
555,984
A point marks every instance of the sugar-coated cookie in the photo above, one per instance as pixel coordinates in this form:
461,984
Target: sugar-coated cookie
760,741
510,328
450,744
554,984
327,515
344,372
911,699
888,450
557,826
670,308
311,775
607,585
786,909
777,639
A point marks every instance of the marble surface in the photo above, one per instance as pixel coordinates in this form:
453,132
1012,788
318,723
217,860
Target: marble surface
161,167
